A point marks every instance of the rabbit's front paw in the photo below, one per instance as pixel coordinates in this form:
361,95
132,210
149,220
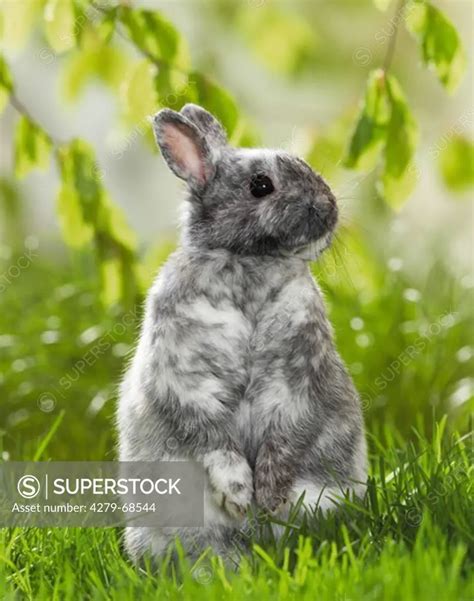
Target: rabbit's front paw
272,483
231,480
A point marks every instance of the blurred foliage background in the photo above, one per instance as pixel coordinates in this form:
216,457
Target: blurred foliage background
376,95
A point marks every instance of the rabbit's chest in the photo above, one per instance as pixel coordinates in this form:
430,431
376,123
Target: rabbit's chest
216,343
286,336
220,327
233,343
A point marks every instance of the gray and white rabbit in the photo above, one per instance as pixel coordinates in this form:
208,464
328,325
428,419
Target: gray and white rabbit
236,363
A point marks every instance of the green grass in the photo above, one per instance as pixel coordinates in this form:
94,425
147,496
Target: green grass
407,340
410,538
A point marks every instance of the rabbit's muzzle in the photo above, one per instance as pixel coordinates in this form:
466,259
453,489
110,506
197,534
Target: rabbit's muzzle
311,219
322,215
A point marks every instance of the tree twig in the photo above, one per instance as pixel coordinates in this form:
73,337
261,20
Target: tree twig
159,62
20,108
398,16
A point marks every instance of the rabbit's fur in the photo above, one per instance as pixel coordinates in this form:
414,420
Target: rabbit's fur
236,364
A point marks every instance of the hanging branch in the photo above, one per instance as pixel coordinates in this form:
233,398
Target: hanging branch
86,212
21,109
398,15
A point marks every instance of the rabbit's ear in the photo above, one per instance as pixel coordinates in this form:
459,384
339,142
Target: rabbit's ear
184,148
207,123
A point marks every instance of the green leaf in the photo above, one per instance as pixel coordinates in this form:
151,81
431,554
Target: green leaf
173,88
138,93
32,147
80,172
267,28
6,83
402,131
77,71
95,60
398,180
113,221
118,270
440,43
370,128
382,4
76,232
86,212
59,17
385,124
79,194
155,36
106,27
111,65
112,283
395,190
18,21
456,162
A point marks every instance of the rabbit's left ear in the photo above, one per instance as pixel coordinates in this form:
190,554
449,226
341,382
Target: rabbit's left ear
207,123
184,148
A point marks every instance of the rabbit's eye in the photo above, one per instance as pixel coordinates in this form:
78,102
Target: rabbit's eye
261,185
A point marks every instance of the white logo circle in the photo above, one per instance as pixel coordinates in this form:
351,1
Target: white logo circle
28,486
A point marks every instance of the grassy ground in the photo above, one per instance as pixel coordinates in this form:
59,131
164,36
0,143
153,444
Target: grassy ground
407,342
411,538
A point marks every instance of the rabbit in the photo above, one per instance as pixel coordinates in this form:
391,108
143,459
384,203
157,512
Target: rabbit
236,362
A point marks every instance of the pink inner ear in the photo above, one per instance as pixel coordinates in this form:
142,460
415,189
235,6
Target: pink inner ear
185,153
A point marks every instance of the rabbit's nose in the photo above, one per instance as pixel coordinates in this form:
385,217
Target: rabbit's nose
325,203
325,196
324,210
323,192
